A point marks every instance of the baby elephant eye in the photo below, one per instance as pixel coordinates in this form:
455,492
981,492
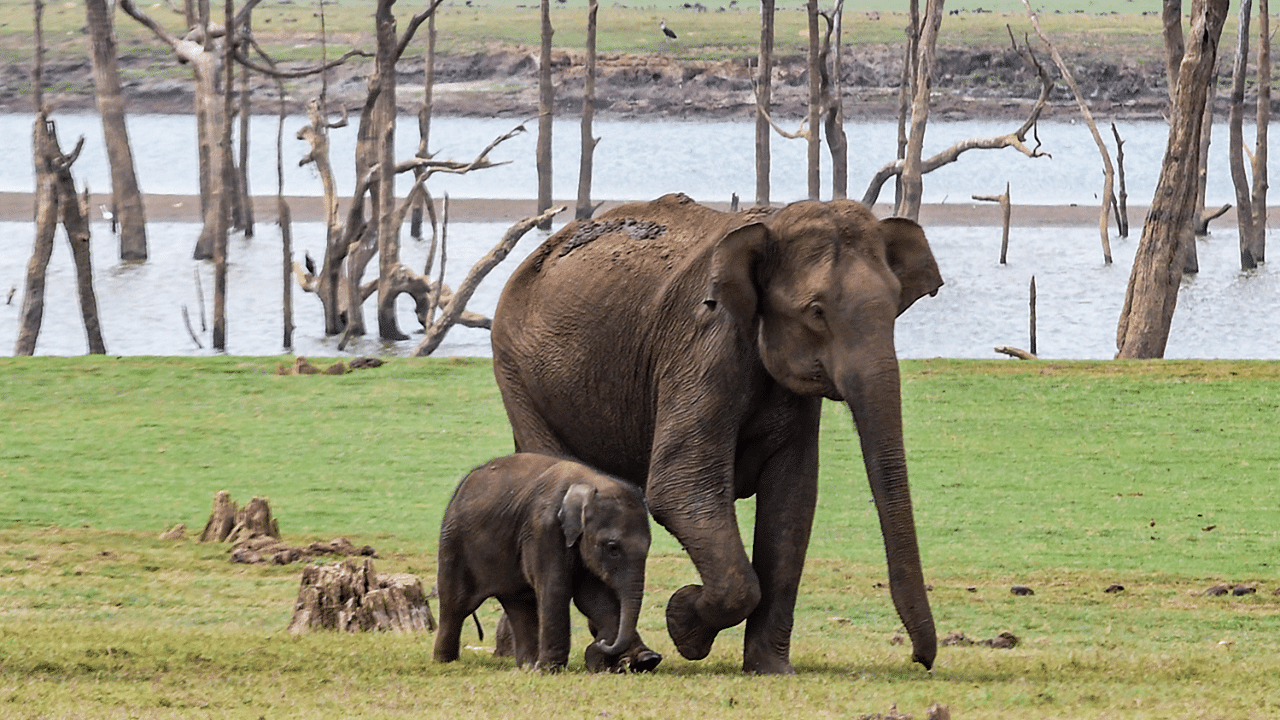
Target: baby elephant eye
613,548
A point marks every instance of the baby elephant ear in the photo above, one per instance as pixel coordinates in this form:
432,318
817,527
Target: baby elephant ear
573,512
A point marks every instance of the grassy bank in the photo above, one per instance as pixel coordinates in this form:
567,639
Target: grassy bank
1065,477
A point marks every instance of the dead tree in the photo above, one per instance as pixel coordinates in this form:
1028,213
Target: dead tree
57,203
1108,171
912,167
764,96
196,49
1250,218
906,89
1152,295
546,113
1003,199
1259,240
1016,139
1121,206
126,198
814,138
424,117
831,92
584,210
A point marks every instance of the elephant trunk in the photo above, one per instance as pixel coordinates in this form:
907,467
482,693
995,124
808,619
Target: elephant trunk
628,617
875,400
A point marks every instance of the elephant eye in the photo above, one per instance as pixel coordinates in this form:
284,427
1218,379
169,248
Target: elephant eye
612,548
815,311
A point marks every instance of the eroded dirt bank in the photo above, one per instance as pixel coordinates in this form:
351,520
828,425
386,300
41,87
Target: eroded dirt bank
970,83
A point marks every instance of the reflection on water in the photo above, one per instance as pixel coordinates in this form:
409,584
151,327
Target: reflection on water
1222,312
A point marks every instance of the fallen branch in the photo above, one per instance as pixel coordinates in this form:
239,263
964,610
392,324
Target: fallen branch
1015,352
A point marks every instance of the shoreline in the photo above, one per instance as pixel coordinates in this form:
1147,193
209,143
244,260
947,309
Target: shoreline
20,207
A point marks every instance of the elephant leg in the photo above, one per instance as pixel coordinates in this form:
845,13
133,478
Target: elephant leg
786,496
453,614
600,604
521,614
696,506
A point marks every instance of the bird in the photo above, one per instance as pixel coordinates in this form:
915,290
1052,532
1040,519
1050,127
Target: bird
311,264
671,34
108,216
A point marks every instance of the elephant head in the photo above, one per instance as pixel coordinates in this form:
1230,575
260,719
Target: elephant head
820,286
610,526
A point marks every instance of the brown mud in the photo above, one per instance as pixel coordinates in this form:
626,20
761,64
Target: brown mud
970,83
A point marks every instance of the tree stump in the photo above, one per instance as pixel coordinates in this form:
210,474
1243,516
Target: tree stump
222,519
230,523
351,597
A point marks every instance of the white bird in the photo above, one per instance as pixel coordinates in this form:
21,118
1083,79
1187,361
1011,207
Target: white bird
106,212
671,34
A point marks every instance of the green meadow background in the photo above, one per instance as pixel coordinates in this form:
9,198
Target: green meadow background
1064,477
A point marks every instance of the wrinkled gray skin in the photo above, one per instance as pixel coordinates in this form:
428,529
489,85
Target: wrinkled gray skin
536,531
688,351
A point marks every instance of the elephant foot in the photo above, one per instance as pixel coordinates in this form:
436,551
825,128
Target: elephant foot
645,661
692,637
638,659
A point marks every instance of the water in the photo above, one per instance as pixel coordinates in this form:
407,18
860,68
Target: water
635,160
1222,312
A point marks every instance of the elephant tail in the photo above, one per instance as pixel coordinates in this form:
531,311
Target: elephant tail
479,629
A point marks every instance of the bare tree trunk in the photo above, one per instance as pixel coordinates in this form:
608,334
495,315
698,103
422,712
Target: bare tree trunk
1258,246
584,211
814,137
1107,169
244,196
764,96
906,91
912,176
424,119
75,223
1122,205
385,208
1143,329
833,104
223,190
46,225
126,198
1235,125
1174,44
546,113
209,119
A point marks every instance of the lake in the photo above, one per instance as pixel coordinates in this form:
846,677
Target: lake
1222,312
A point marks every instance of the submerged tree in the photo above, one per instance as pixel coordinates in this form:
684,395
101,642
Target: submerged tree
126,198
1251,205
1152,295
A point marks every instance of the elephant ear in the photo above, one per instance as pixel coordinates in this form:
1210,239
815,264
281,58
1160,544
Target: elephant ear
573,511
733,268
911,260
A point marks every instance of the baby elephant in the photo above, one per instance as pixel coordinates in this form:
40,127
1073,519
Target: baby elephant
535,531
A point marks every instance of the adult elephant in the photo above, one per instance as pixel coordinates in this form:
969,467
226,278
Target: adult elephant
688,351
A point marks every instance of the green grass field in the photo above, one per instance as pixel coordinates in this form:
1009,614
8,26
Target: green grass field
1065,477
291,28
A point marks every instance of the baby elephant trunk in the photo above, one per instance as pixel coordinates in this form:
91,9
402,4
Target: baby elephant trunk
626,636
